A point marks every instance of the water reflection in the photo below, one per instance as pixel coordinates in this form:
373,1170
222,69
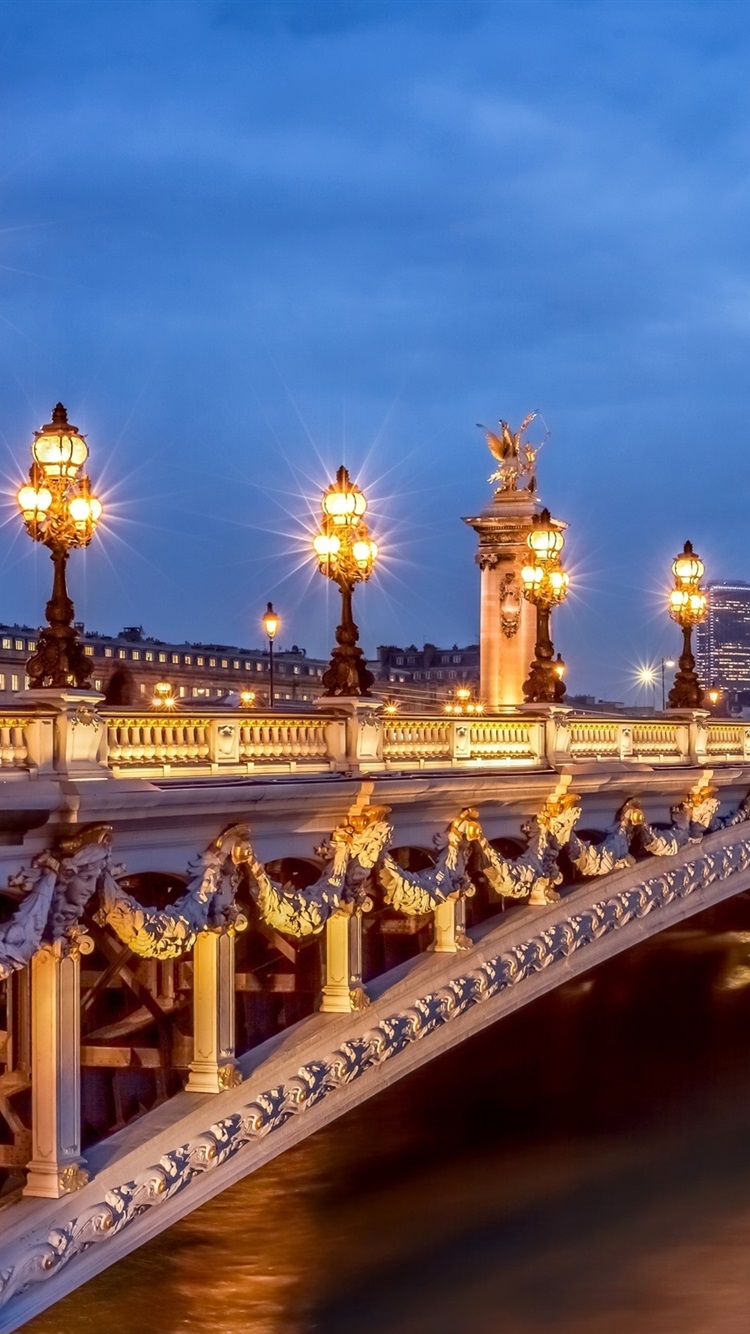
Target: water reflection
582,1167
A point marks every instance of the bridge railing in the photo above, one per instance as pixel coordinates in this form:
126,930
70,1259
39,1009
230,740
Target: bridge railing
66,732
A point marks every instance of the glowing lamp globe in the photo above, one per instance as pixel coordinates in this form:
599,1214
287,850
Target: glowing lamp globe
545,540
33,502
59,449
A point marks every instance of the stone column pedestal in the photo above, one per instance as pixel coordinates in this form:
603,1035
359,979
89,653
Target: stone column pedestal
361,739
80,734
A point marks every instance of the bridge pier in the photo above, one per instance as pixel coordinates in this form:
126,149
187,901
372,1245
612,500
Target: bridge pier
213,1067
56,1166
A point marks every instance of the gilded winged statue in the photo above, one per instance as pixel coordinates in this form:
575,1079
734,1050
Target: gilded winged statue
515,456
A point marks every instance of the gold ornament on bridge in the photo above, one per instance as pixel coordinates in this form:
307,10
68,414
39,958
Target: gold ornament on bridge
346,554
59,510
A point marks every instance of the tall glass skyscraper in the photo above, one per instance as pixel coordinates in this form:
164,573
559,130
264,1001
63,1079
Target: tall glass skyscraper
722,649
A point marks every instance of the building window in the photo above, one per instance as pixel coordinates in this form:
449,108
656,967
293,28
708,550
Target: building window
236,664
199,661
175,657
2,680
183,692
7,643
399,662
142,687
259,666
296,671
97,684
19,643
121,653
188,661
149,656
456,657
224,662
162,657
14,682
32,646
108,653
87,650
452,676
212,662
201,692
136,655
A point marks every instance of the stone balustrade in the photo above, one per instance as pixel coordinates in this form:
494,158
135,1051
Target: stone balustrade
72,733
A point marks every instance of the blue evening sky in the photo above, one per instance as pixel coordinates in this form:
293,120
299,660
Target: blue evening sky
244,242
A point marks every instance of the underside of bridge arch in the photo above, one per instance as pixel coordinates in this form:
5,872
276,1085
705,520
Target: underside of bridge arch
175,1158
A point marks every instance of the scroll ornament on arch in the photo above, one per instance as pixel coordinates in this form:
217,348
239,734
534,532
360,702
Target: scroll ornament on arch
416,892
350,856
209,903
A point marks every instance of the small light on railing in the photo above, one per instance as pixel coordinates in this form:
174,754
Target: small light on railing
247,698
391,705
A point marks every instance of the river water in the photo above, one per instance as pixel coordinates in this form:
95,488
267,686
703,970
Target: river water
582,1167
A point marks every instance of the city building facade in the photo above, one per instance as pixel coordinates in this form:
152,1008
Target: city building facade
723,640
128,666
428,675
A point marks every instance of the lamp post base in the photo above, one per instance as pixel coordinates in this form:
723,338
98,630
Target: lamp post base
686,692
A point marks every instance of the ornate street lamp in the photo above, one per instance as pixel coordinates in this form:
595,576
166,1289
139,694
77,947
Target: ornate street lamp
545,585
347,555
687,606
164,696
271,622
60,511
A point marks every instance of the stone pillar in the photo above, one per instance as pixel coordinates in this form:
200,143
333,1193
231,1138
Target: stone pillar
505,658
343,991
448,928
213,1066
56,1166
362,733
80,734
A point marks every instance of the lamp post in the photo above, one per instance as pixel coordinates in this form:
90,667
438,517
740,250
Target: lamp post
271,623
665,662
60,511
347,555
687,606
545,585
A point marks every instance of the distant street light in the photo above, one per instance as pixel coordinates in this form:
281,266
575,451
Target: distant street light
271,622
545,585
646,676
347,555
687,606
665,662
713,695
60,511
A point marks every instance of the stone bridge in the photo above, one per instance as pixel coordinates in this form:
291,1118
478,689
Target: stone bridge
221,930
